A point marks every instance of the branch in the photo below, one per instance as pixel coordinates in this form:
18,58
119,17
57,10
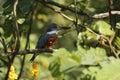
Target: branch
24,52
106,14
110,8
16,26
62,6
62,14
18,38
76,17
80,12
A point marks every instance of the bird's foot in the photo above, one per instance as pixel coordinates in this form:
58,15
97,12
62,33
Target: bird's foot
54,49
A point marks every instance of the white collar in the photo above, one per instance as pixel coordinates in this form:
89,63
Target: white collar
53,32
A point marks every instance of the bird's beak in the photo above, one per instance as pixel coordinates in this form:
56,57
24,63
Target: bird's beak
64,28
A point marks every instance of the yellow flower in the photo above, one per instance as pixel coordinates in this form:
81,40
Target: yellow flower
35,72
12,75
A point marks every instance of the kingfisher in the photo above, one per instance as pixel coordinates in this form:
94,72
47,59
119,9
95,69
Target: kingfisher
48,39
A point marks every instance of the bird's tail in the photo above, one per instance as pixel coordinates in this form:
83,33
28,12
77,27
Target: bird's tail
32,59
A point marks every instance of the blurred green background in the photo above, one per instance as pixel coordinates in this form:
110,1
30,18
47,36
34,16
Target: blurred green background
78,56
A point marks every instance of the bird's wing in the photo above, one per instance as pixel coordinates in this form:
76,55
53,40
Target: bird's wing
40,44
42,41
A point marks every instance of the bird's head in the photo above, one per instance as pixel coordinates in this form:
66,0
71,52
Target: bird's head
54,28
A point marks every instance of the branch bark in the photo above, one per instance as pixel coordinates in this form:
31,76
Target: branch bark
16,26
110,8
24,52
76,17
62,6
17,47
79,12
62,14
106,14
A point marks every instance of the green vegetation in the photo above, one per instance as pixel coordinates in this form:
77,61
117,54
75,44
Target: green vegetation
89,50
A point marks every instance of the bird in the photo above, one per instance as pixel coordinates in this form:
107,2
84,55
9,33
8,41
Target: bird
49,38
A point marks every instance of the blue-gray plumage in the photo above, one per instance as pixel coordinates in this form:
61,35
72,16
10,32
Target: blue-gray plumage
41,42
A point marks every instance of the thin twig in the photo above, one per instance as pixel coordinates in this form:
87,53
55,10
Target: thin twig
5,51
16,26
76,21
62,14
17,47
111,46
18,37
76,17
110,14
112,27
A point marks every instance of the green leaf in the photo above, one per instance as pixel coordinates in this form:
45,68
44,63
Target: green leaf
8,28
68,60
92,56
117,42
96,6
54,68
21,20
25,5
8,10
102,27
68,64
76,58
1,31
7,3
109,70
118,25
